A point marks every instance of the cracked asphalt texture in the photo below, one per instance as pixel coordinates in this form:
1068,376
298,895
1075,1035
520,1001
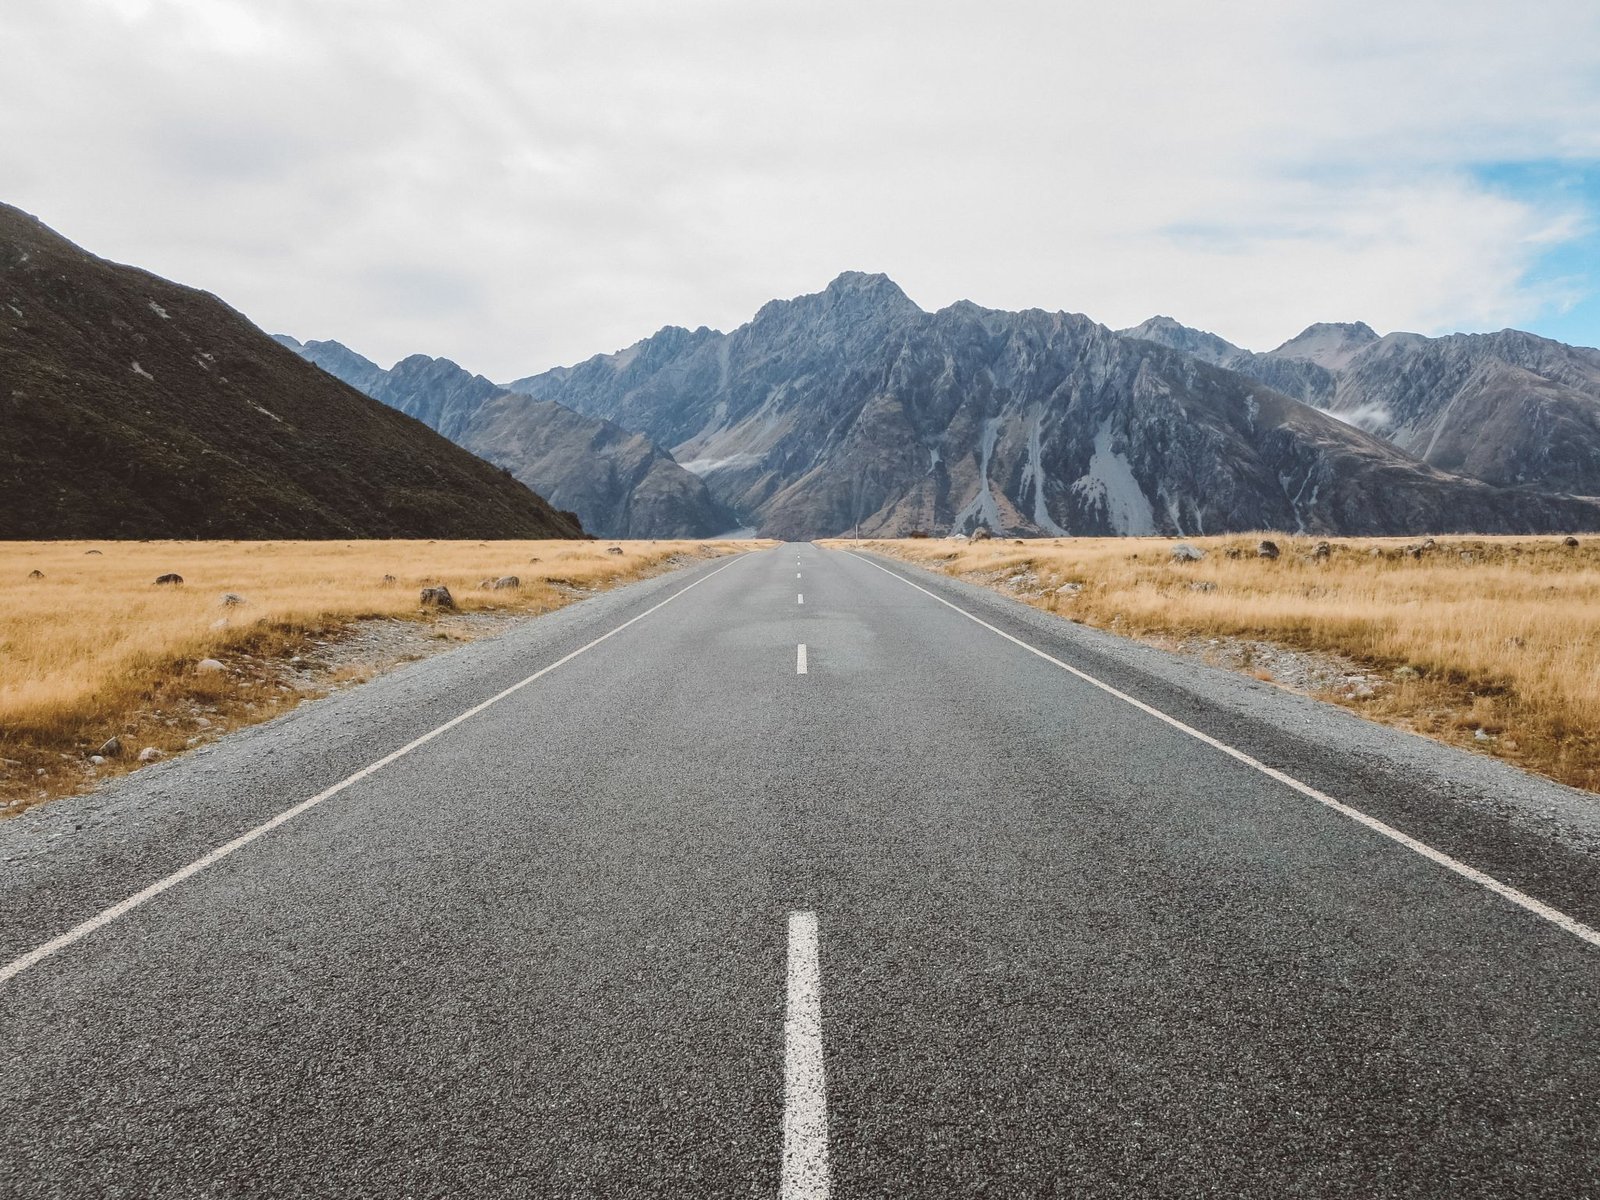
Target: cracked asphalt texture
1065,950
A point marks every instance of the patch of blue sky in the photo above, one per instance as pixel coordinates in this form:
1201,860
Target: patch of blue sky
1568,269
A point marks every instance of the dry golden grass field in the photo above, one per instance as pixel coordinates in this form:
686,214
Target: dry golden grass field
1492,643
91,647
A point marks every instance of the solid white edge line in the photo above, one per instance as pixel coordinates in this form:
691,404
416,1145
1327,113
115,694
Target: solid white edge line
805,1095
800,660
40,953
1540,909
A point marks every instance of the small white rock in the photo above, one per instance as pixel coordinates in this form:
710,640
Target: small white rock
150,754
97,759
209,666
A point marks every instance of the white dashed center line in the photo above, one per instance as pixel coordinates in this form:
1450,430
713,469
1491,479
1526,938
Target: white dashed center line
805,1096
800,660
800,598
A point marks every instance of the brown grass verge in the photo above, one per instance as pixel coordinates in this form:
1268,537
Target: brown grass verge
1489,643
92,648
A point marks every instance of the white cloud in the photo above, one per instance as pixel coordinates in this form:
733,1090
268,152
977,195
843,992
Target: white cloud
517,185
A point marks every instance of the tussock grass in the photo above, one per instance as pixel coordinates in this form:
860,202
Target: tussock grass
1492,643
95,648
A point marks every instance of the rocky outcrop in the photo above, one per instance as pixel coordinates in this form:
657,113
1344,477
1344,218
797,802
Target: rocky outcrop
620,484
852,408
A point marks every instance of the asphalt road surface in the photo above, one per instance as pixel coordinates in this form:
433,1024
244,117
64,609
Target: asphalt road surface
798,881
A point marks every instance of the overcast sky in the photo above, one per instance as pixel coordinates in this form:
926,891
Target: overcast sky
516,185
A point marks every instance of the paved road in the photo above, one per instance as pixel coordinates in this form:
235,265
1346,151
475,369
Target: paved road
978,925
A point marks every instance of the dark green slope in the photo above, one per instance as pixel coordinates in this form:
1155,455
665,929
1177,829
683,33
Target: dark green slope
134,407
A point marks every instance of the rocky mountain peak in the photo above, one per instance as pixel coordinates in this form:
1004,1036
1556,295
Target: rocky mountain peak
1330,344
1175,335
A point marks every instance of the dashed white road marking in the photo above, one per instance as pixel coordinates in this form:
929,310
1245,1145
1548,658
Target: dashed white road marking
800,660
39,953
805,1095
797,574
800,598
1537,907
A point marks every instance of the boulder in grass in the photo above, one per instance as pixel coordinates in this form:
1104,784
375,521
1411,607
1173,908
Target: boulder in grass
35,574
231,600
1570,542
1267,549
209,666
111,748
437,597
151,754
613,549
981,533
170,579
507,583
1185,552
1321,550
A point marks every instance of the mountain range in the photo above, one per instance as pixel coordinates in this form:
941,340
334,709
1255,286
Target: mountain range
854,409
1509,408
135,407
621,484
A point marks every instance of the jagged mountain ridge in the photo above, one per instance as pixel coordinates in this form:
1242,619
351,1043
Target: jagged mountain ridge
1509,408
853,406
620,484
134,407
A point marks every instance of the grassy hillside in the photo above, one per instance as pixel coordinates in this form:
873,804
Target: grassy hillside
132,407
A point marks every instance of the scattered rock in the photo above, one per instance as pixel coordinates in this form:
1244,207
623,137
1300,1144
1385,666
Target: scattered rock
1017,542
981,533
1184,552
1233,552
534,559
98,760
485,585
507,583
1069,589
230,599
1467,556
91,552
111,749
1321,550
1202,585
169,579
209,666
1267,549
613,549
959,537
150,754
437,597
1569,541
1482,735
1406,673
35,574
1429,544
